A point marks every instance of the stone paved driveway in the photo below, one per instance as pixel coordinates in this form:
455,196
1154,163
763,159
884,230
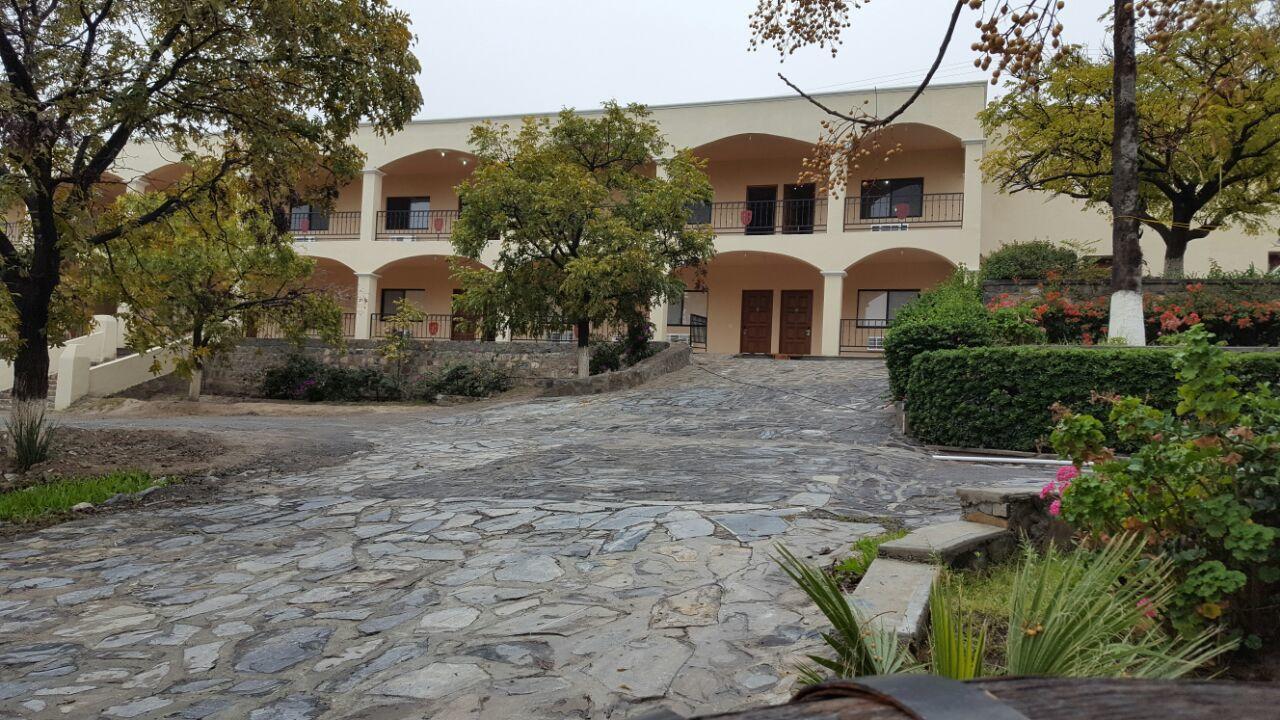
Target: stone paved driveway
542,559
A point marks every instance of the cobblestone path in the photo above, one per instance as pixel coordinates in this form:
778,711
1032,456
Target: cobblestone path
553,558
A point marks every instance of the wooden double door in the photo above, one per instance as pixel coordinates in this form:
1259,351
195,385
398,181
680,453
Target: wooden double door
795,329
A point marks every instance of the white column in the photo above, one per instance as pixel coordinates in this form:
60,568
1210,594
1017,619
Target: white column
835,203
658,309
972,224
370,204
658,316
832,300
366,302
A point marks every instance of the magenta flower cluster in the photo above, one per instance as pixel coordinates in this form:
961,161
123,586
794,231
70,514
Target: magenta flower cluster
1054,488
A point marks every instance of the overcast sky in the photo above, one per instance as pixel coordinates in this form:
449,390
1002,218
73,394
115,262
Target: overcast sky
490,57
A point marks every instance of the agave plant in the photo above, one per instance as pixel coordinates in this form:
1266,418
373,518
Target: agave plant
1073,614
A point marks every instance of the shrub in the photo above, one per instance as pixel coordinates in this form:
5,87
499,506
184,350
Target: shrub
1014,326
30,435
464,380
903,343
302,378
1000,397
1032,260
1242,315
606,357
1070,614
950,315
1203,487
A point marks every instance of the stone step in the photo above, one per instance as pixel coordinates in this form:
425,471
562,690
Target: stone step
895,594
954,543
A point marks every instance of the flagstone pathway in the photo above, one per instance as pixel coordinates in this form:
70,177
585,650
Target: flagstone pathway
575,557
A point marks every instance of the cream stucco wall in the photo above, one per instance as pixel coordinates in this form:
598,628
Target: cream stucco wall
747,142
1038,216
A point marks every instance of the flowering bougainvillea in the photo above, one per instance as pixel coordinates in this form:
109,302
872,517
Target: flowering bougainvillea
1237,319
1203,488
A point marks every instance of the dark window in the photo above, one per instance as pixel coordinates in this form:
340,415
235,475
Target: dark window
699,212
392,296
878,308
897,198
408,213
303,218
688,309
1273,261
762,201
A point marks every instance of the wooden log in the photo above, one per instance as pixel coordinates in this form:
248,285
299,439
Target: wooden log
1069,699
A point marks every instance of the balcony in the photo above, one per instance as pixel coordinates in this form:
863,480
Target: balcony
430,327
862,334
317,226
772,217
269,329
415,225
879,213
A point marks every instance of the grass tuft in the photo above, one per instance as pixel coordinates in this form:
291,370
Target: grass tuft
30,436
849,571
32,503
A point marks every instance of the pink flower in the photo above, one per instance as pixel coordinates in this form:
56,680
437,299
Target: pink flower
1055,508
1066,472
1145,603
1047,490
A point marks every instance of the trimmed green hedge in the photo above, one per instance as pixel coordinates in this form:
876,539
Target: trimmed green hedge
999,397
905,342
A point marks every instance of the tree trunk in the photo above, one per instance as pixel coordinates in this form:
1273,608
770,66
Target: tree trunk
196,384
1126,322
1176,240
31,365
584,348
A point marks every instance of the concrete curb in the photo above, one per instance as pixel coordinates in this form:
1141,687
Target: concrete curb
670,359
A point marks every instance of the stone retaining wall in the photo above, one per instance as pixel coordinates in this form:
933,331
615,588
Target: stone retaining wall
671,358
240,372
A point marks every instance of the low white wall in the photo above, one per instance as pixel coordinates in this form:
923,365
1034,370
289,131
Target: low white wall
79,378
98,346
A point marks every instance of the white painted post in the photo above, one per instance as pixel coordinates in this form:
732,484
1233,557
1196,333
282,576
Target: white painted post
835,205
366,301
972,221
832,302
73,376
370,204
658,316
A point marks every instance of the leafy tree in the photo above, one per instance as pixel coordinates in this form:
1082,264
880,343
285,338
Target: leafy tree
1209,131
195,279
1017,37
271,88
588,234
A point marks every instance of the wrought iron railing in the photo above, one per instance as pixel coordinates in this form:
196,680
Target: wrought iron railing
768,217
696,330
416,224
863,334
271,330
313,226
430,327
885,213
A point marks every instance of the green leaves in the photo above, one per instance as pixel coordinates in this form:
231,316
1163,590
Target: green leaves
194,280
589,230
1201,484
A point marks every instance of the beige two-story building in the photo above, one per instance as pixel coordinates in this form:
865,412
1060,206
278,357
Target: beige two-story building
796,272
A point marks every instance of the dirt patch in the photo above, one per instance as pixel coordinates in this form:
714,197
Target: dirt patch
79,451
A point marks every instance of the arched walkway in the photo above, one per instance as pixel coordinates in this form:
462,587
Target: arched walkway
756,303
756,178
877,285
425,283
910,173
418,196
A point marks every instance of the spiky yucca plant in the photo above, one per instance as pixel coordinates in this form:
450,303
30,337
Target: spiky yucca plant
30,436
1073,614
